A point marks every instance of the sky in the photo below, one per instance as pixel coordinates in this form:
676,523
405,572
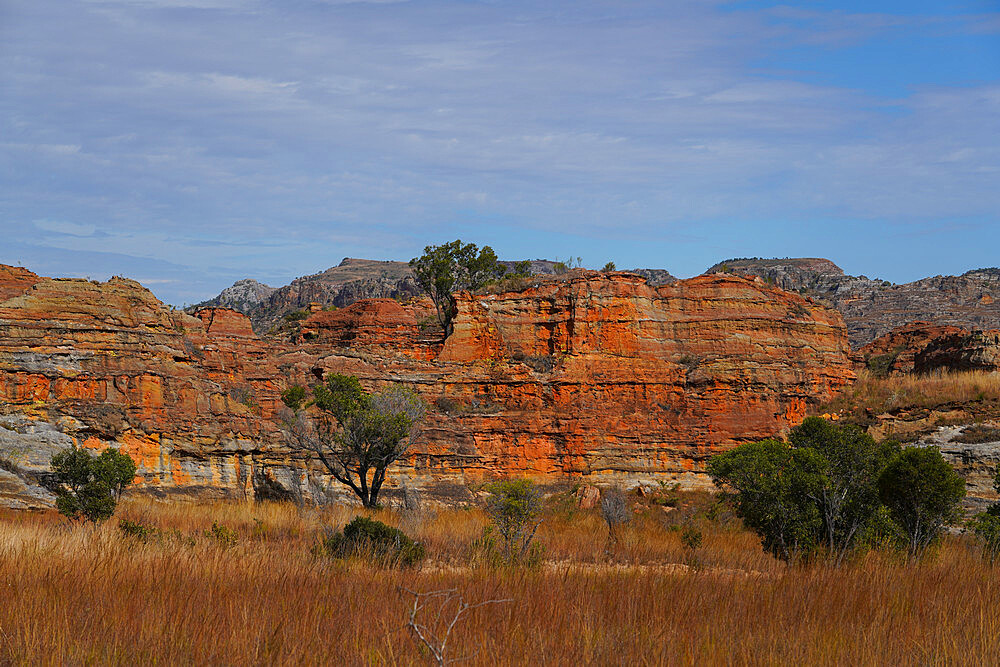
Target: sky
191,143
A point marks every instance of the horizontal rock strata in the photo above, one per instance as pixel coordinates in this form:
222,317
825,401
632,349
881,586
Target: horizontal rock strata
871,307
599,377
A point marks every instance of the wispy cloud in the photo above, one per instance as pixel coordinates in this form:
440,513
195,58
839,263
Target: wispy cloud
271,139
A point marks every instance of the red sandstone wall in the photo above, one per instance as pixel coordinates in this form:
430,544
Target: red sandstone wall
599,376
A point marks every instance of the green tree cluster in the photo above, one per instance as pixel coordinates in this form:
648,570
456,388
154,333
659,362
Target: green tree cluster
373,540
356,435
89,487
831,486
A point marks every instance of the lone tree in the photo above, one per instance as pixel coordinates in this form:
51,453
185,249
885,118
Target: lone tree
452,267
356,435
89,487
514,508
923,494
614,511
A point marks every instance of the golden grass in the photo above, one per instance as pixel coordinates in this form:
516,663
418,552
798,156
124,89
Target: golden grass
75,595
933,390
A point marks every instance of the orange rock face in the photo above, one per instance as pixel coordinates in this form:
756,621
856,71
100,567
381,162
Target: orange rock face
606,377
375,325
599,377
225,322
14,281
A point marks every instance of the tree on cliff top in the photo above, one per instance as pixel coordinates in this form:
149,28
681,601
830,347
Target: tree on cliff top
356,435
452,267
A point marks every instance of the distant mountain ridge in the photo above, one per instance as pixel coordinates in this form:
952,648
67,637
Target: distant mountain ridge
872,307
351,280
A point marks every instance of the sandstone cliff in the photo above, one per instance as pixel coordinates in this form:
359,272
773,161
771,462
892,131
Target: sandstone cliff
595,376
872,308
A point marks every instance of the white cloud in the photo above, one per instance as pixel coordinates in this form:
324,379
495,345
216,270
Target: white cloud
374,127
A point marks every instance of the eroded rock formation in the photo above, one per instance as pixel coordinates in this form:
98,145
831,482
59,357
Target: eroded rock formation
592,376
350,281
921,347
871,307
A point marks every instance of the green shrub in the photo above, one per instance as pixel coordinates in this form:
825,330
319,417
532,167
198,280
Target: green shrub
294,397
691,538
88,487
226,537
986,527
372,540
137,530
514,508
880,365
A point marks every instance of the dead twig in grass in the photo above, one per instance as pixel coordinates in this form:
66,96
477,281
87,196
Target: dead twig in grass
436,634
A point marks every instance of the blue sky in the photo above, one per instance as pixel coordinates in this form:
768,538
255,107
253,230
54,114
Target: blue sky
190,143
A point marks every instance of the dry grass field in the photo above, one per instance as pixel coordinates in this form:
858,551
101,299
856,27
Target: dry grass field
976,391
79,595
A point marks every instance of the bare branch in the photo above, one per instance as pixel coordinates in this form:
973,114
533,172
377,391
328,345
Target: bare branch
438,646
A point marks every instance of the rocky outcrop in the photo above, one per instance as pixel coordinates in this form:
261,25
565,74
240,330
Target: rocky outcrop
977,459
655,277
794,275
896,352
921,347
378,326
350,281
15,281
961,350
225,322
340,286
599,377
244,296
107,363
873,308
606,377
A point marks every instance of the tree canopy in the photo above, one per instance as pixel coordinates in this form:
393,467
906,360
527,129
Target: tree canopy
923,494
772,487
